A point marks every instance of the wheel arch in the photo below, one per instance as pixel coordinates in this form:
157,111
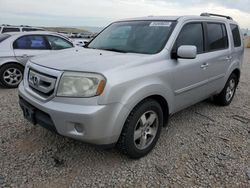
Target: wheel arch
164,106
237,73
11,62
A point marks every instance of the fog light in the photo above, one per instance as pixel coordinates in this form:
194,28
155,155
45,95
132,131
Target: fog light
78,127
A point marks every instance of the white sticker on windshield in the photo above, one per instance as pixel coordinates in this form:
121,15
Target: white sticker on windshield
160,24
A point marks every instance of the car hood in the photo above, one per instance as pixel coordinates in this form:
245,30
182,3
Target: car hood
89,60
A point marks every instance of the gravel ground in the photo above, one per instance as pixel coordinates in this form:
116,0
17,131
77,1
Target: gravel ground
203,146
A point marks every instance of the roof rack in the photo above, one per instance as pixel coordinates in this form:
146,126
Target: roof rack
218,15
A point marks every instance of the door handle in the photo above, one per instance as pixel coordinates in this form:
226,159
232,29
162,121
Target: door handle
204,66
228,58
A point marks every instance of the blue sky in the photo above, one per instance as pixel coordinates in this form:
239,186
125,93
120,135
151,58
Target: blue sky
102,12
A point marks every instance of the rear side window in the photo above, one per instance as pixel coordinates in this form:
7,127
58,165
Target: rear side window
236,35
3,37
191,34
10,29
216,36
31,42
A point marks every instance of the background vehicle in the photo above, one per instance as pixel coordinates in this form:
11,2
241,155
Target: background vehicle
84,35
73,35
22,28
17,48
122,88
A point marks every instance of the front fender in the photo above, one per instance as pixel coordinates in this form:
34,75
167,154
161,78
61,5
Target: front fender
144,91
131,93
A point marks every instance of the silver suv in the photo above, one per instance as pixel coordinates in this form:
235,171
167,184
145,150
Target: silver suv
125,84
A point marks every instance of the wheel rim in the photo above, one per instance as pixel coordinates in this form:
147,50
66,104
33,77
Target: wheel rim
230,90
12,76
145,130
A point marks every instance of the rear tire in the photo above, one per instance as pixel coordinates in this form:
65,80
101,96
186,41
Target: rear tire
227,94
142,129
11,75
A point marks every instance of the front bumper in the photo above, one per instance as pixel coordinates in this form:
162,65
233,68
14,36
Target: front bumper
95,124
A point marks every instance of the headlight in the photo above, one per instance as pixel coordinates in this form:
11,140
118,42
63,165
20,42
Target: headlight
77,84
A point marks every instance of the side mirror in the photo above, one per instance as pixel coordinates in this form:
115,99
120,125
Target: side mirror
85,44
187,52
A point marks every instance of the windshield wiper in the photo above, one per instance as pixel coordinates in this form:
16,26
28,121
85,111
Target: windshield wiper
114,50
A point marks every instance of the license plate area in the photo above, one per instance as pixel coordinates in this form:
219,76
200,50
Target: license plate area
28,111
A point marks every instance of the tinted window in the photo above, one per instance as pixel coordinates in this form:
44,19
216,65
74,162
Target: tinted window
191,34
31,29
10,29
3,37
236,35
146,37
31,42
217,36
57,43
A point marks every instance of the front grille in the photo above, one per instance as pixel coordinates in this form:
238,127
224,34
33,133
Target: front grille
41,83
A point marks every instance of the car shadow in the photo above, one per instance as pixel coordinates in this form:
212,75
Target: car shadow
70,151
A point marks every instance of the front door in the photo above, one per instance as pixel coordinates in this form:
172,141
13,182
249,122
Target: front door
190,75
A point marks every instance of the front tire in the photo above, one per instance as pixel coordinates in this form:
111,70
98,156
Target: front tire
11,75
142,129
227,94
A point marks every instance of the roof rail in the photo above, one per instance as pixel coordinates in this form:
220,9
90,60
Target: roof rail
218,15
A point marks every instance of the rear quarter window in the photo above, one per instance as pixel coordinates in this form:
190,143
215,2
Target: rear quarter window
31,29
10,29
236,35
3,37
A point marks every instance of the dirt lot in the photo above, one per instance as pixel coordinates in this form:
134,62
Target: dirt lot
203,146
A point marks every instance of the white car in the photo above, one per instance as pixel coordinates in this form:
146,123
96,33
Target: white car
17,48
22,28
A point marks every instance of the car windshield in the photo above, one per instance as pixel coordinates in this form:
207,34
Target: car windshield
3,37
145,37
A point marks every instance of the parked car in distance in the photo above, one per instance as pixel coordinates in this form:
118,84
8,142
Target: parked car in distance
73,35
17,48
125,84
80,42
22,28
84,35
65,34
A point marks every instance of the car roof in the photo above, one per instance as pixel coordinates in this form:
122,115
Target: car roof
31,33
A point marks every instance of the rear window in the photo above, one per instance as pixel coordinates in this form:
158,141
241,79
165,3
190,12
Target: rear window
10,29
236,35
3,37
217,36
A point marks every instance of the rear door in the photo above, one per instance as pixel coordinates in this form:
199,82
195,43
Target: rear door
28,46
218,54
